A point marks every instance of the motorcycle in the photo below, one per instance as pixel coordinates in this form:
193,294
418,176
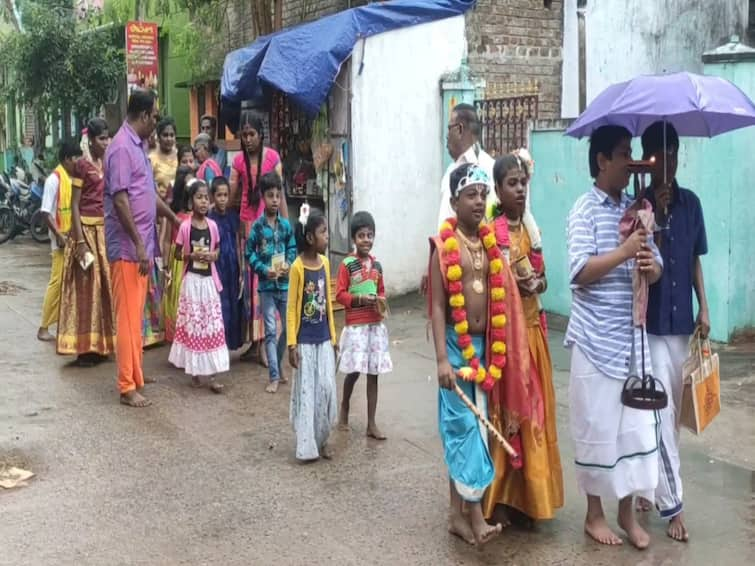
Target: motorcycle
20,208
7,216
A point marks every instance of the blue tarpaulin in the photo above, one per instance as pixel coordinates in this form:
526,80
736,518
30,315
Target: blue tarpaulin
303,61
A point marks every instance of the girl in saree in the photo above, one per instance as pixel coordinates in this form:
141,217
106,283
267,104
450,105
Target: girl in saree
86,326
164,159
248,166
536,488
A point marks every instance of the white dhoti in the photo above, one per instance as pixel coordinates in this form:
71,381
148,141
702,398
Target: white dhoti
616,448
669,354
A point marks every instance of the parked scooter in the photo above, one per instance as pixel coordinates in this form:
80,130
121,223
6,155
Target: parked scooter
24,202
7,216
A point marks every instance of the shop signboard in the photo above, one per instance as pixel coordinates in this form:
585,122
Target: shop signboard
141,55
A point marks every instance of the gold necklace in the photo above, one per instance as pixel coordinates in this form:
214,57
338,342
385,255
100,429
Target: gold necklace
476,246
476,255
515,246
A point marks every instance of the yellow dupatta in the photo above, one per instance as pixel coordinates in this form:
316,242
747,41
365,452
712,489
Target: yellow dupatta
63,214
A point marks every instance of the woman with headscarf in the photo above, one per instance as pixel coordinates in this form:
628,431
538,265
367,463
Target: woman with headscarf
248,166
86,324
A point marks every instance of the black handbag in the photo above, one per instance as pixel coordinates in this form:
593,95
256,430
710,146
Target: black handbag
645,393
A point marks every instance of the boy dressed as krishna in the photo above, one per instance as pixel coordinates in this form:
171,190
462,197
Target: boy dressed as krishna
468,304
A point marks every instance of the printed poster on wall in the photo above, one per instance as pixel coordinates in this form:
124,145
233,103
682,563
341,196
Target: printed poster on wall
141,55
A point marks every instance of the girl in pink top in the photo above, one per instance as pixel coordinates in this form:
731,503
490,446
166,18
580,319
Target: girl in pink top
248,166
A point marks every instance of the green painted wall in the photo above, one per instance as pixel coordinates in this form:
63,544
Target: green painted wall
720,170
176,100
734,170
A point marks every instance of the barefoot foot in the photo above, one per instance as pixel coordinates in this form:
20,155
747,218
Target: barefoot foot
326,452
483,532
598,530
150,380
272,387
459,526
134,399
501,515
677,530
216,387
643,505
518,518
44,335
374,432
343,418
635,533
283,379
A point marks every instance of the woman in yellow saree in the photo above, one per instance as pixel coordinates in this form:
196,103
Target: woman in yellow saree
535,487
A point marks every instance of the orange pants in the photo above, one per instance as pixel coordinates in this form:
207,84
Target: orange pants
129,294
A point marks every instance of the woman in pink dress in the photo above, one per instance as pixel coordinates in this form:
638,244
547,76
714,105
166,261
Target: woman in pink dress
248,166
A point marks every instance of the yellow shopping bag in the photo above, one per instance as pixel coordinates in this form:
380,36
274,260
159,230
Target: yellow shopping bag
701,396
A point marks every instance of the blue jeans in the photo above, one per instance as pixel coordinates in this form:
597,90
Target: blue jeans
273,302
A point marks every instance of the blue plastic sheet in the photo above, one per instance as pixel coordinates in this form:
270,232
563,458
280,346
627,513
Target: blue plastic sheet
303,61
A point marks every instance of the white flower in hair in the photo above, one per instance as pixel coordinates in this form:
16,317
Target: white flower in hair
525,156
303,214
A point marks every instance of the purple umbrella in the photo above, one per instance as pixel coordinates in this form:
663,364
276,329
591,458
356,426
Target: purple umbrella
697,105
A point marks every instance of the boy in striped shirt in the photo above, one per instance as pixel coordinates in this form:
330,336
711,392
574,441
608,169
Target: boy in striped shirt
615,446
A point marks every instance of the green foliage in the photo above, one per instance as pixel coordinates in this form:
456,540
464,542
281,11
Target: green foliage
58,63
202,42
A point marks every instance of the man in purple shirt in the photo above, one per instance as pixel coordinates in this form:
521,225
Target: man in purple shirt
131,209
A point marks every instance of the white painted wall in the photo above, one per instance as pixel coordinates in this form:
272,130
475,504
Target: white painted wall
396,146
626,38
570,63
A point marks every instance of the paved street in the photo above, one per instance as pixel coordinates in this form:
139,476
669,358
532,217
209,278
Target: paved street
203,479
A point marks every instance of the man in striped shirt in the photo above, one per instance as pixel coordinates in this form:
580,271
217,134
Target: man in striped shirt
615,446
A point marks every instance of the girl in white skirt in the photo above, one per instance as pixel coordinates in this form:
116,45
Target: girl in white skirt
311,339
199,345
364,340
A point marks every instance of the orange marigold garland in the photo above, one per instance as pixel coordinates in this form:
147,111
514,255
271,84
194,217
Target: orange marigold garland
475,371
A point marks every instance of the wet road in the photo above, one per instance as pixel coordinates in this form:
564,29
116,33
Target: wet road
203,479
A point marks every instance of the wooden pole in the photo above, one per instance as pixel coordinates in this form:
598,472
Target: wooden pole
278,17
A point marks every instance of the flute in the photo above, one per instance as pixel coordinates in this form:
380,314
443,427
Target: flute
472,407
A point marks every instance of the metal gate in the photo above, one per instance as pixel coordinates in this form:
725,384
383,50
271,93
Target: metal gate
505,114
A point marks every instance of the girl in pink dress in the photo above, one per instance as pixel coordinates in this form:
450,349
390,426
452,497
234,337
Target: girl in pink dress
248,166
199,346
